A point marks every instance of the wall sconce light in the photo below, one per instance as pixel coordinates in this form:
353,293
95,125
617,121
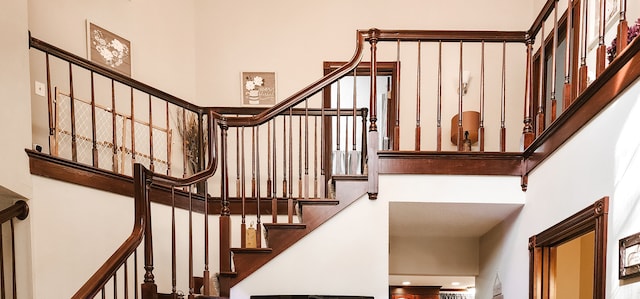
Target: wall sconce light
466,76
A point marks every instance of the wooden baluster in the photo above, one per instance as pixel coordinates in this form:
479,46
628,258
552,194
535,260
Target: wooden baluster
306,148
268,159
253,162
174,268
481,129
126,279
151,164
285,194
169,135
396,129
322,179
566,96
201,152
13,260
503,101
133,131
257,198
243,225
225,212
238,194
135,274
353,155
300,157
185,158
315,157
372,147
206,274
583,71
601,51
290,198
346,147
554,67
74,147
2,255
439,100
191,283
418,77
527,130
53,142
460,94
114,140
541,83
336,155
94,144
115,284
623,28
274,198
364,147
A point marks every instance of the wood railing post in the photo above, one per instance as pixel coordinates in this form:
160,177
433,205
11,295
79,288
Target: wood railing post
149,289
527,132
225,211
372,144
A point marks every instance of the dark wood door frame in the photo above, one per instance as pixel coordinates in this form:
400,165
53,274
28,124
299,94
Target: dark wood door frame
391,69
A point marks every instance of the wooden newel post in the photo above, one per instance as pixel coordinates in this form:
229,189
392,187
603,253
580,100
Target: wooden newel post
372,145
149,289
527,132
225,212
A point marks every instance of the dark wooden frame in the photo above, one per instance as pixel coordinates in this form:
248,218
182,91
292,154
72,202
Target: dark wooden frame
391,69
592,218
628,271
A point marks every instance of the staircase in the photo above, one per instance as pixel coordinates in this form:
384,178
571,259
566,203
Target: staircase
250,163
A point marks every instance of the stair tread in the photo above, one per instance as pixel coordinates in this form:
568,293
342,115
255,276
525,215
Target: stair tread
251,250
349,177
228,274
318,201
269,226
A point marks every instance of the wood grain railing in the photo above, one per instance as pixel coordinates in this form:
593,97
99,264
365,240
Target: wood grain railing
20,211
99,117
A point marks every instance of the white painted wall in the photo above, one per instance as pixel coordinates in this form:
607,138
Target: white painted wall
438,256
15,120
15,181
161,35
601,160
351,262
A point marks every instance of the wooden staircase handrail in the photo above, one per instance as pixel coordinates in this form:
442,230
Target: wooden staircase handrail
97,281
96,68
19,210
304,93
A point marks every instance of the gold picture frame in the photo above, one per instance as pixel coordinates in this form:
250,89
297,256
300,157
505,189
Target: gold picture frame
108,49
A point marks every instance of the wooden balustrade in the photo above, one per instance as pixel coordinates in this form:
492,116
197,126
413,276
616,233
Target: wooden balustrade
81,96
298,138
